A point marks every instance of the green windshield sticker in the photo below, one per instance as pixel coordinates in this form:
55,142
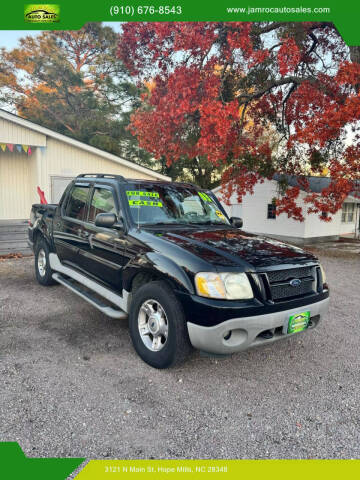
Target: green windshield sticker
137,193
205,197
146,203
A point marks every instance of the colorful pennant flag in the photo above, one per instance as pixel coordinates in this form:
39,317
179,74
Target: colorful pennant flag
19,148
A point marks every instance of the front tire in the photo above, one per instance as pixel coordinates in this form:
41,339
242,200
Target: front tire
43,271
157,326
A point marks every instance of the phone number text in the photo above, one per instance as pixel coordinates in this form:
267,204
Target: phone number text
130,10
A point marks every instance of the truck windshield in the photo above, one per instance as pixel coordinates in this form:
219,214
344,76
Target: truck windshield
172,204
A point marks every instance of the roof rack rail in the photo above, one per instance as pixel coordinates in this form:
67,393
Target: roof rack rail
102,175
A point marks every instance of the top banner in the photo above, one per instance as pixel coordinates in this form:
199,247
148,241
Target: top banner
70,15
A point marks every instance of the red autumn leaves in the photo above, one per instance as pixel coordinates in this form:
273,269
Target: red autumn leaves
231,91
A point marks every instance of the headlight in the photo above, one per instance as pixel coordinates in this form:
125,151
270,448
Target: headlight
230,286
323,273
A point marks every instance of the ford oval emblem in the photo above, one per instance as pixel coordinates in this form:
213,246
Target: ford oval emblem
295,282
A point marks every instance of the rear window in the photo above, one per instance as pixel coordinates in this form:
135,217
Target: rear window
77,202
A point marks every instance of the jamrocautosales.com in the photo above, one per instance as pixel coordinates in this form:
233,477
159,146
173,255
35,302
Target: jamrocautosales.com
256,10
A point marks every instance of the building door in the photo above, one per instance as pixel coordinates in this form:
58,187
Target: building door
58,185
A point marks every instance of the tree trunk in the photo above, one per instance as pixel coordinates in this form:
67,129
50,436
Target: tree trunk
355,54
355,57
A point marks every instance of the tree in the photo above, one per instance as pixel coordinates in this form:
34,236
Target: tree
73,83
220,87
198,170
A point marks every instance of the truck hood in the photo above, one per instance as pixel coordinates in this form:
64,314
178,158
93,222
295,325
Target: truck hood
233,247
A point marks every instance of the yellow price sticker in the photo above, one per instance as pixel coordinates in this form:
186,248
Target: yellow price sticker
146,203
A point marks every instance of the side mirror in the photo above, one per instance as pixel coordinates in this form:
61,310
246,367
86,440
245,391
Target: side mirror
236,222
105,220
119,224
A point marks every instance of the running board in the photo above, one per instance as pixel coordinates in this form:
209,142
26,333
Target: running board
107,310
112,297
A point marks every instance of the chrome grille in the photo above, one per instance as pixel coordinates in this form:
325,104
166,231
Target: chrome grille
286,291
279,282
288,274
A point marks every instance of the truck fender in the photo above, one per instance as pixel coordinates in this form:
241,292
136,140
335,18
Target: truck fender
163,266
40,230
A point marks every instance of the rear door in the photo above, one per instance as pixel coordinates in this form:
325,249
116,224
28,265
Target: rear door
103,254
68,226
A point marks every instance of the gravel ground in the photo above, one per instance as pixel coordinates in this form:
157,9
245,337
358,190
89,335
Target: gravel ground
72,385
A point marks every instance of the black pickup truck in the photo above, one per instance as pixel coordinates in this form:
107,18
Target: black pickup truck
167,256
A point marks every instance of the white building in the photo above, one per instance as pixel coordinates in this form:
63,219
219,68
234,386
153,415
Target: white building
258,214
32,156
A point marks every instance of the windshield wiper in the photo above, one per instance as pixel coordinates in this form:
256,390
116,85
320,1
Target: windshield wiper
208,222
157,224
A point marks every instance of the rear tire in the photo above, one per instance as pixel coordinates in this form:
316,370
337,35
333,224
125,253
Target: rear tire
43,271
158,327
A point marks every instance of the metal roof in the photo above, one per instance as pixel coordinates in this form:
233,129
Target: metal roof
316,184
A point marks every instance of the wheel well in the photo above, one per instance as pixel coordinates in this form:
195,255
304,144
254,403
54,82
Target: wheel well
143,278
36,237
140,279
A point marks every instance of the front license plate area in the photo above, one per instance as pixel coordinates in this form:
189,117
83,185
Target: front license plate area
297,322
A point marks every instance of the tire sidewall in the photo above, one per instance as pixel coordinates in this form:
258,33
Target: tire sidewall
165,357
47,278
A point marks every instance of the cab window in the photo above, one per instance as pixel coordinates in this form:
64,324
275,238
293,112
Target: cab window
77,202
102,202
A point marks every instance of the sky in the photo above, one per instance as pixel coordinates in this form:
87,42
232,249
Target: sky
9,38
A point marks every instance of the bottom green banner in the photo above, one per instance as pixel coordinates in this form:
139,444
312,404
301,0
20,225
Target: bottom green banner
15,465
223,469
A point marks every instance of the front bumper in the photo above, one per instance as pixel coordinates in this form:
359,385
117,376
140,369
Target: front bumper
245,331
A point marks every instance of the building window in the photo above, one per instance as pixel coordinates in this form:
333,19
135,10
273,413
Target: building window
271,211
348,212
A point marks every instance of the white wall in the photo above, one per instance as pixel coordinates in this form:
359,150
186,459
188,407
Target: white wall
10,132
253,211
314,227
15,185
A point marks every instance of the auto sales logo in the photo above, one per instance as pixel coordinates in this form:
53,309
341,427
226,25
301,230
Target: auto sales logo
41,13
